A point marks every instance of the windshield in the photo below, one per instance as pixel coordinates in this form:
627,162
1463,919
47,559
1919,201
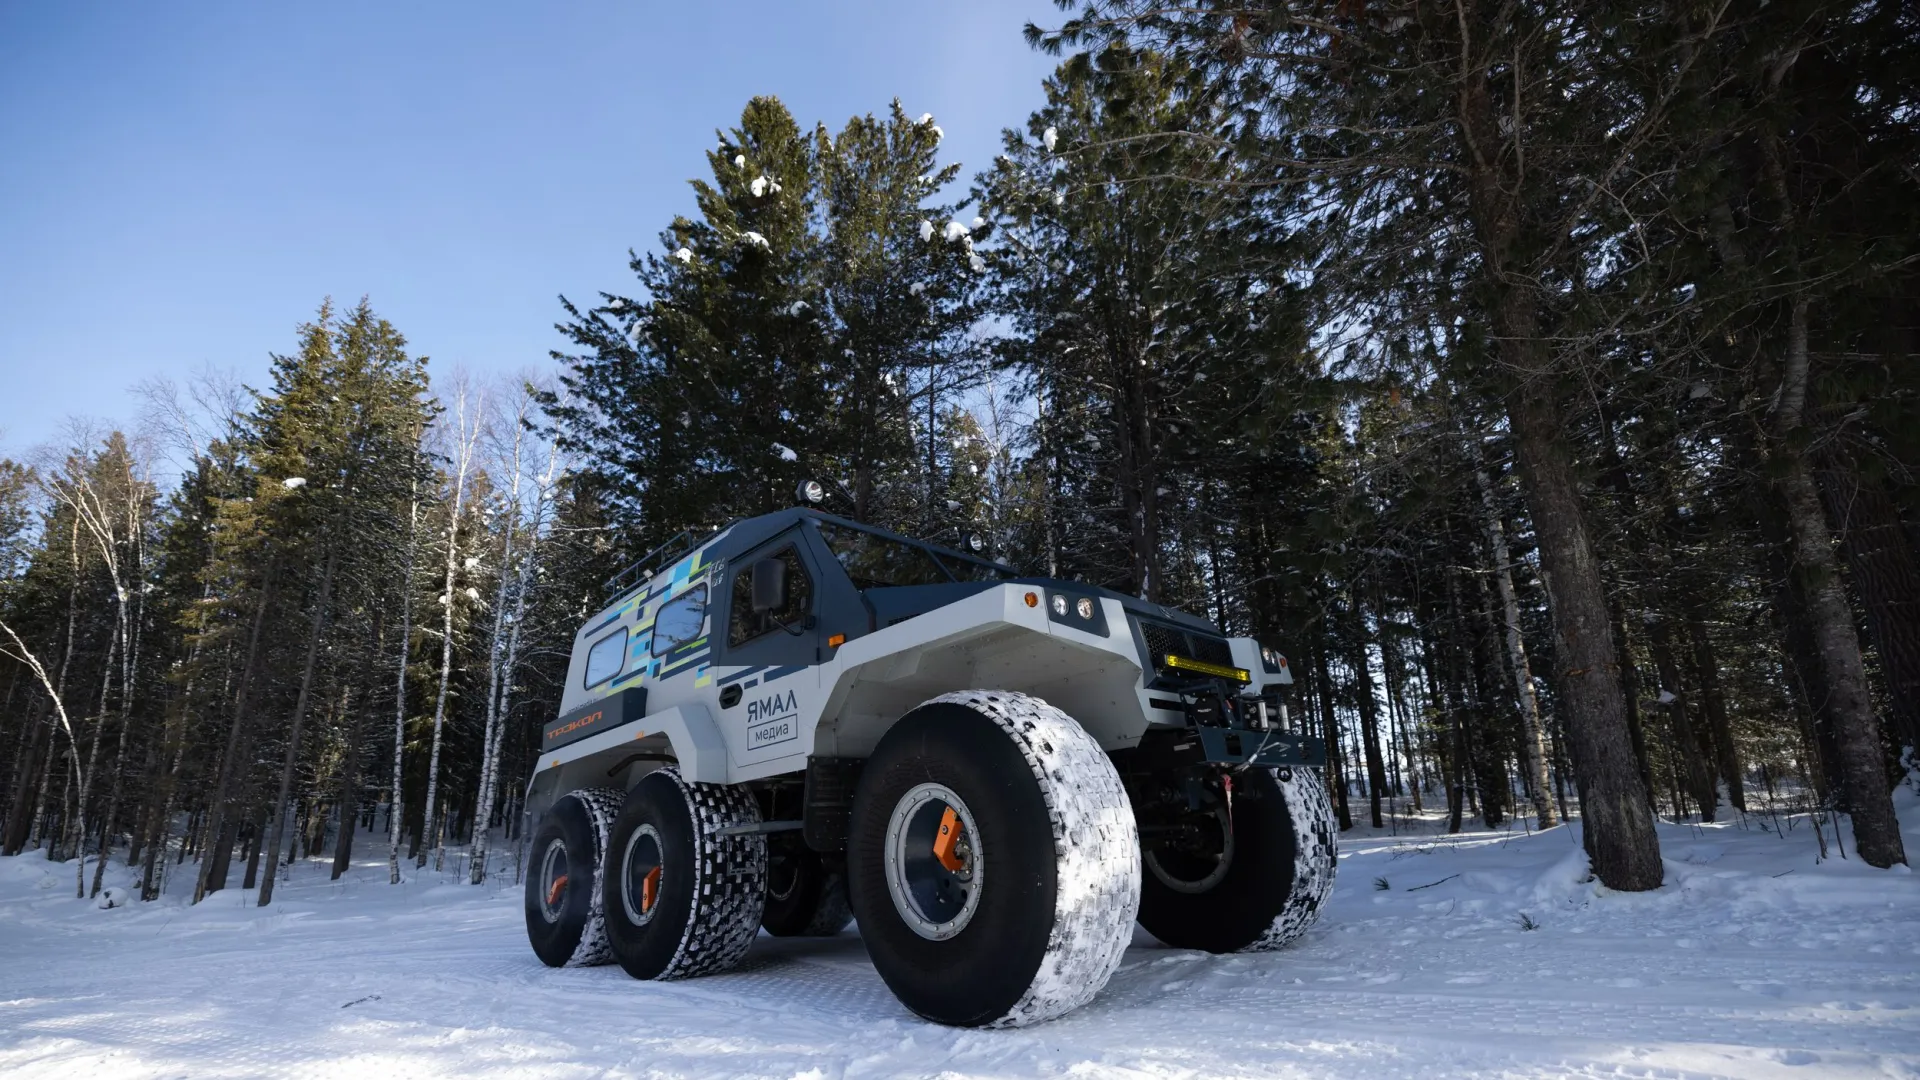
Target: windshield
874,561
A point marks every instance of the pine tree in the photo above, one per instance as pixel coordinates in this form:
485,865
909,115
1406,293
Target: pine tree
1132,269
330,449
684,402
1414,149
900,277
793,329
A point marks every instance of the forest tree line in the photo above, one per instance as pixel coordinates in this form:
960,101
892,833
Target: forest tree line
1540,379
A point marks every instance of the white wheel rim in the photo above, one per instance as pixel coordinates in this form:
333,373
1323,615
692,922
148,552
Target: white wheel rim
935,903
551,897
630,883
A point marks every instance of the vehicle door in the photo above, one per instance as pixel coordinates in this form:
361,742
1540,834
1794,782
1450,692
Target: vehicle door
768,658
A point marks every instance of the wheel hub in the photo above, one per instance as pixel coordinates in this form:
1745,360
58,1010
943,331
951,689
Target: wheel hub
1196,867
783,877
934,861
553,880
642,865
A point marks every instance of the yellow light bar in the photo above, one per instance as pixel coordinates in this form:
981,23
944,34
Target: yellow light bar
1201,667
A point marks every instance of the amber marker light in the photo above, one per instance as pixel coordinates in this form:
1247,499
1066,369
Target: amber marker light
1033,599
836,641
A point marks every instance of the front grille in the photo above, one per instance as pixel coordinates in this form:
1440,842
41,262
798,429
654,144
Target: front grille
1162,639
1213,650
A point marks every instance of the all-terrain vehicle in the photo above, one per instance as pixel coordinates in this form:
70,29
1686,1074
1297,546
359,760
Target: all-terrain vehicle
801,720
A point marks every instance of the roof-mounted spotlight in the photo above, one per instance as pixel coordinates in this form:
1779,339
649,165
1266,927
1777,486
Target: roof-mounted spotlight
810,493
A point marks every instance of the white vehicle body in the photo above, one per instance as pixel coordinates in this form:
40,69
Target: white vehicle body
852,669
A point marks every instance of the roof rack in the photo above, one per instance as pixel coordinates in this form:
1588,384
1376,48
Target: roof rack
680,544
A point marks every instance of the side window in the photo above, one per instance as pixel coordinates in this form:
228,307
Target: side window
680,619
604,659
744,624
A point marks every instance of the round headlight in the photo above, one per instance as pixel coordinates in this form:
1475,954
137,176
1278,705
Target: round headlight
1060,605
812,492
1084,607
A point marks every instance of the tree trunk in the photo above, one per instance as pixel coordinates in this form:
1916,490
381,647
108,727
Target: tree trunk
1805,676
1460,706
1883,567
314,833
1369,715
499,667
502,695
395,808
43,801
217,863
1139,474
217,808
1706,668
1330,731
1856,730
346,799
111,819
1395,673
153,867
446,651
1532,743
1618,828
1496,717
1626,851
77,841
21,739
1679,708
153,872
255,832
314,633
39,748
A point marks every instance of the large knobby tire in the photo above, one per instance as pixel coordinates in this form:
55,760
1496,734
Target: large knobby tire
805,897
702,908
1279,870
1041,910
565,914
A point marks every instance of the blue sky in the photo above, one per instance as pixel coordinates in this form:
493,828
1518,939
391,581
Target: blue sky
180,184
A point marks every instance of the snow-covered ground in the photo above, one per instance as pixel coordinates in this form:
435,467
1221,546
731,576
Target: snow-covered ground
1754,961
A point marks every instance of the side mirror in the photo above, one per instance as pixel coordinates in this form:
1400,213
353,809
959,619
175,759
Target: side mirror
769,585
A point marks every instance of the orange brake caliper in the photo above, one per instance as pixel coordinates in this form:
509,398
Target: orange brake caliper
650,889
945,840
559,886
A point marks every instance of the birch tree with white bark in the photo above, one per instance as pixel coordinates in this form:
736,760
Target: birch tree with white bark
524,525
462,436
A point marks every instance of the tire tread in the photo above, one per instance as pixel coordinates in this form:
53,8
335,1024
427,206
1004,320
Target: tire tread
1315,858
1095,842
602,806
730,880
